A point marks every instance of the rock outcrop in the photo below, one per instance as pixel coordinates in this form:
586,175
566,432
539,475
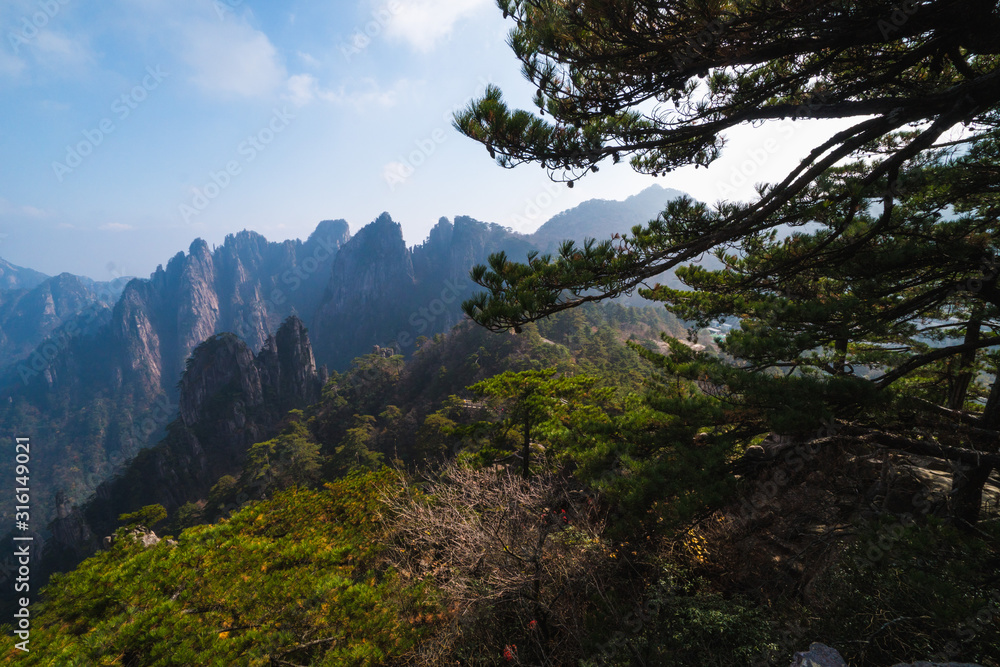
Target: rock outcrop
371,287
821,655
143,536
229,400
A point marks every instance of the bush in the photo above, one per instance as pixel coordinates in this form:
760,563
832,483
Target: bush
291,580
683,624
907,591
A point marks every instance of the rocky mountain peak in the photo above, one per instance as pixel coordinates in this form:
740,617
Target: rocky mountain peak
372,279
283,375
223,362
336,230
199,248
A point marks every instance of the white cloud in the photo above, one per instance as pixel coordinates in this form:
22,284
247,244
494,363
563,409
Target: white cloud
115,227
232,58
33,212
423,23
304,88
47,48
396,173
27,211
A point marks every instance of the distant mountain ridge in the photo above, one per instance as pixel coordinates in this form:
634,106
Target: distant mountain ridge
33,306
383,293
600,218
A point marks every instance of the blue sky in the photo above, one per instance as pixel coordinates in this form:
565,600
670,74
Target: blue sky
132,127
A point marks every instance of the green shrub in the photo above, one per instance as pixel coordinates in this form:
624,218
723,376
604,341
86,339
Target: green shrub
907,591
683,624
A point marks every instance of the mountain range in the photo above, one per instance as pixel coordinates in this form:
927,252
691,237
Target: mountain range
92,369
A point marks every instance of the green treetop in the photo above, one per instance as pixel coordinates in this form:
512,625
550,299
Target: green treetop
530,398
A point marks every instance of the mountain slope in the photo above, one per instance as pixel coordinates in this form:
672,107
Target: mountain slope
17,277
600,219
383,293
29,316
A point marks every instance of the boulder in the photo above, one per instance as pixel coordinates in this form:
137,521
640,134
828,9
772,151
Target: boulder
818,655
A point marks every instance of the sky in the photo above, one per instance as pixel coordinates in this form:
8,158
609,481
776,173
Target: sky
130,128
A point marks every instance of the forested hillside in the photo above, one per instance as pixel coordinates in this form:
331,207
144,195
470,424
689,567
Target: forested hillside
402,520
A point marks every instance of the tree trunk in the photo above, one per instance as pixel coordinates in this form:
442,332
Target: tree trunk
968,481
526,451
960,385
967,492
991,413
840,346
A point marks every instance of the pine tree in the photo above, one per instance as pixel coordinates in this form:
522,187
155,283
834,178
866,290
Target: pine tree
891,291
711,66
529,398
